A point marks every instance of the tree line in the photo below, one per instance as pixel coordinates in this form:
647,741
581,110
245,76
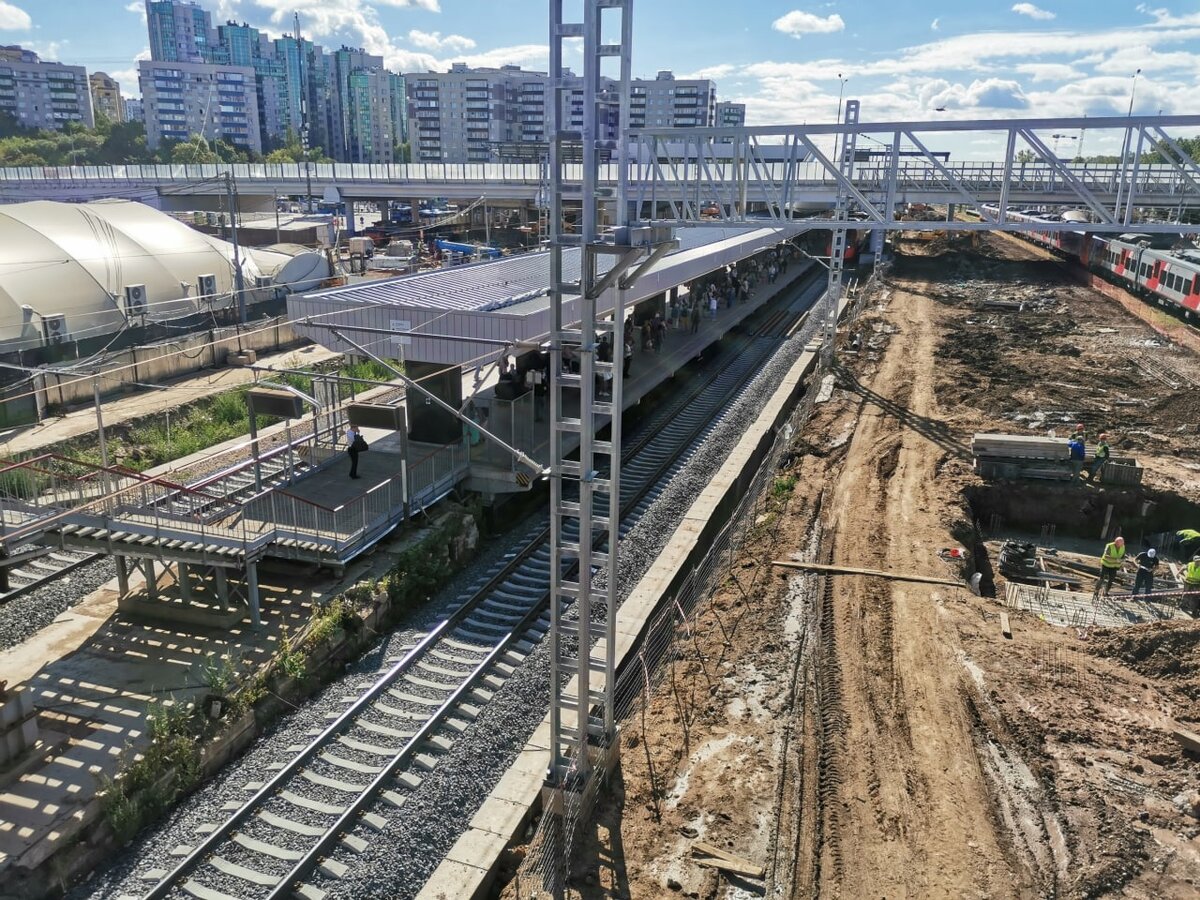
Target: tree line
124,143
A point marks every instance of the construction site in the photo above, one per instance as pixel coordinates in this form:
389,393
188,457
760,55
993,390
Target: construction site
838,734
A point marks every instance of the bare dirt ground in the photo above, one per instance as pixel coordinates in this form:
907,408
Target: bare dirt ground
877,738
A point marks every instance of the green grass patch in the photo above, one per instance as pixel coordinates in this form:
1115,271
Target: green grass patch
191,428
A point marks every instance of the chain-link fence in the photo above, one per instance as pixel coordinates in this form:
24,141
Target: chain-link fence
546,868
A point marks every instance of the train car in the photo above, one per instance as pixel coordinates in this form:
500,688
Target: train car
1171,276
1120,260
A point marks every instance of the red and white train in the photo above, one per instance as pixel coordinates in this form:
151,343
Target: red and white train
1169,277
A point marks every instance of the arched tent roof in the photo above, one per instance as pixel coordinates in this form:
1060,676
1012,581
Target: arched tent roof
75,260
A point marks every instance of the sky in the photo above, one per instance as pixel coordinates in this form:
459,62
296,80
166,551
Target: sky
903,60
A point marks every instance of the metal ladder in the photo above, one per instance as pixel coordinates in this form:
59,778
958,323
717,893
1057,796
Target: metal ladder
585,504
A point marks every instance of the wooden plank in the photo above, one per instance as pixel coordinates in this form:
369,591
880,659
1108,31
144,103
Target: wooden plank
1189,740
849,570
716,858
1005,627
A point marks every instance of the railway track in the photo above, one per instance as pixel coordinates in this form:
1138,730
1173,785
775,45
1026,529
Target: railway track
298,822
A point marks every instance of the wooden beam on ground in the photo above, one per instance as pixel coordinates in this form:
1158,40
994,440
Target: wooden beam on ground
714,857
1189,740
1005,627
850,570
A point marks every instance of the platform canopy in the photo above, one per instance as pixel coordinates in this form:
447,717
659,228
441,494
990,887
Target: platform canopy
502,300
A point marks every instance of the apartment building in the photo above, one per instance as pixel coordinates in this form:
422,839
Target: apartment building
670,102
297,87
106,97
730,115
482,115
43,94
179,31
183,99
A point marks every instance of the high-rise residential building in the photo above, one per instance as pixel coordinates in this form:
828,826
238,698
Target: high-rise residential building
342,114
730,115
185,99
43,94
179,31
134,111
670,102
481,115
399,101
106,97
372,130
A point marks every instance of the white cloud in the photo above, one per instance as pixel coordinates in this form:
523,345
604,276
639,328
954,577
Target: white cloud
797,23
1048,71
47,51
1028,9
128,78
433,40
990,93
935,25
138,8
717,72
13,18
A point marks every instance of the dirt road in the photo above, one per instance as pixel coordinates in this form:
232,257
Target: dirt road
921,821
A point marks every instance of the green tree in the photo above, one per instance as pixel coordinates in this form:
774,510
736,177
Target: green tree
1163,152
1026,156
125,143
403,152
193,151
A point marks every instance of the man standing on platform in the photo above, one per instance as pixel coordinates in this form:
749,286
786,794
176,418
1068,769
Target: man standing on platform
354,446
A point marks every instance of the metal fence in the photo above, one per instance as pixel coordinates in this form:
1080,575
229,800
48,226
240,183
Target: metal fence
546,867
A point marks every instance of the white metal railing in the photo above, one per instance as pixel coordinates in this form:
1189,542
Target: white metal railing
911,174
337,530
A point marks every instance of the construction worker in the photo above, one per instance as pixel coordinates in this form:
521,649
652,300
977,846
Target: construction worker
1191,582
1110,563
1078,451
1189,542
1101,458
1147,562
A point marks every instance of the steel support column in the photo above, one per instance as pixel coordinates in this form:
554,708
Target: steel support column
252,593
585,494
837,253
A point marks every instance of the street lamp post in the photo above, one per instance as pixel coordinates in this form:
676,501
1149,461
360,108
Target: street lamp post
1125,144
841,89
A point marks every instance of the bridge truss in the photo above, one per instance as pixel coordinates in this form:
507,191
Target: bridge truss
684,170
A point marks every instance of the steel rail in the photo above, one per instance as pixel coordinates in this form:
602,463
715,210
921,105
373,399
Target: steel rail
175,878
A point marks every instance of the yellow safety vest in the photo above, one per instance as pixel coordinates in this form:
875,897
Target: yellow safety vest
1112,556
1191,575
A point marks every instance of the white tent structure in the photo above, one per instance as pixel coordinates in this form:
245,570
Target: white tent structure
83,271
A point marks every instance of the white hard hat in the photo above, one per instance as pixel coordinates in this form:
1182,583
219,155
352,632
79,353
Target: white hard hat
1152,553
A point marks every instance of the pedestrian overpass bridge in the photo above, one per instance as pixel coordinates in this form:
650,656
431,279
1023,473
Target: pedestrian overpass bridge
683,176
813,186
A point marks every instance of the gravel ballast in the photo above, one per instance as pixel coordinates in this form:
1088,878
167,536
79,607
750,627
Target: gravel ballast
26,615
397,862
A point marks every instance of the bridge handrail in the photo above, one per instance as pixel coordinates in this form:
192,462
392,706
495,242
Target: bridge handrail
531,174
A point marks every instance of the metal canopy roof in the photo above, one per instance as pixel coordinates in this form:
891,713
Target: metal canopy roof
496,284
